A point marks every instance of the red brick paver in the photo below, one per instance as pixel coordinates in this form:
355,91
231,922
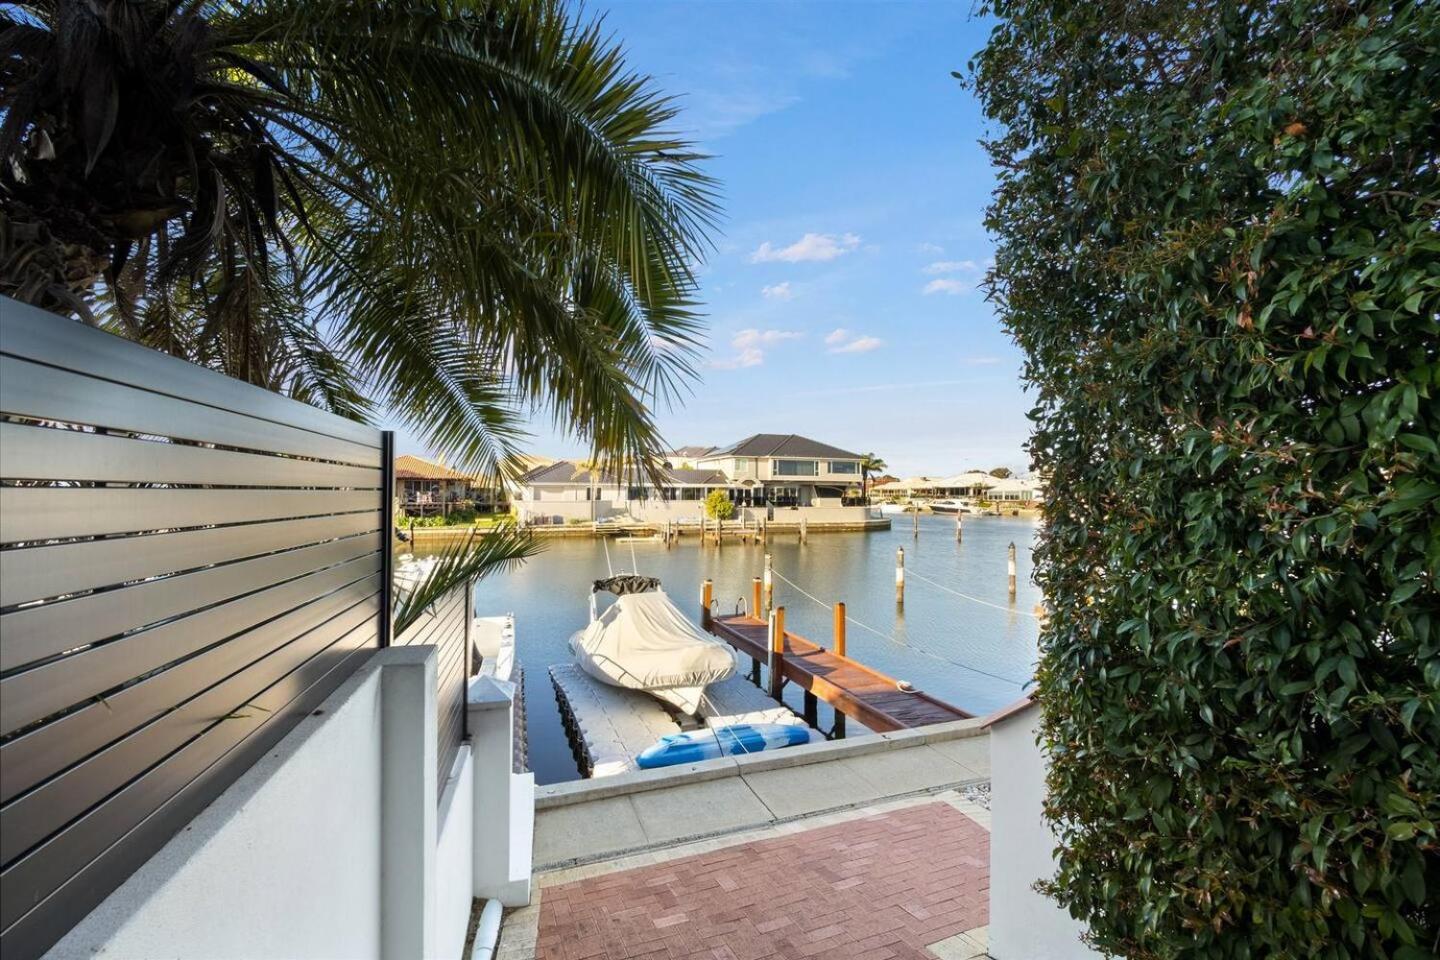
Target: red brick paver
875,888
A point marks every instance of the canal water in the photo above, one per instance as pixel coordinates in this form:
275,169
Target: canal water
975,655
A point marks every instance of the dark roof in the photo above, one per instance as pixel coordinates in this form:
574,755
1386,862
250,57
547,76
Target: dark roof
785,445
696,478
563,471
691,451
567,471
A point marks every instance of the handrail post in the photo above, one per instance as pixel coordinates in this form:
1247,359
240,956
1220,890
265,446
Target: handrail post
777,651
707,592
387,537
840,629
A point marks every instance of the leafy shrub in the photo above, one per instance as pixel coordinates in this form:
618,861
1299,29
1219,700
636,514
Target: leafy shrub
719,506
1218,250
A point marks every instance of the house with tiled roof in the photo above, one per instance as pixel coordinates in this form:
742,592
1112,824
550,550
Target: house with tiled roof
424,486
760,474
787,470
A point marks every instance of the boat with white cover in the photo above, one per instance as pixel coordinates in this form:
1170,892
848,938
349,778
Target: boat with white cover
643,642
953,506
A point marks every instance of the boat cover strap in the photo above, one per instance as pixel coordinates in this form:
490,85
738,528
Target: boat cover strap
627,583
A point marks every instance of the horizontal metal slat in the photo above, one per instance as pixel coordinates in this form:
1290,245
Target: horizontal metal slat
45,453
113,663
33,817
36,633
40,754
36,573
46,513
44,393
33,333
56,885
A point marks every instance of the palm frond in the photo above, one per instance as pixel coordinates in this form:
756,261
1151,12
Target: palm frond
461,562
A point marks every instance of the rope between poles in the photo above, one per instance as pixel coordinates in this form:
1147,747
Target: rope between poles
966,596
899,643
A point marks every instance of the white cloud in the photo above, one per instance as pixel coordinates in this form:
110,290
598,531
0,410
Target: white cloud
778,291
980,361
841,340
750,347
953,266
812,246
949,286
859,345
930,248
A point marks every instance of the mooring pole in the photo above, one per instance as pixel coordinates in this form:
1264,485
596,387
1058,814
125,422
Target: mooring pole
959,529
1012,571
804,530
755,597
707,592
840,629
900,576
777,651
769,586
916,519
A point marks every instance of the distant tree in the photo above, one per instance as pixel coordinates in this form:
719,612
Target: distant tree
719,506
869,463
1001,473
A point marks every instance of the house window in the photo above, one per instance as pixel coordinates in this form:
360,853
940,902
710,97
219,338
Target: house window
691,493
796,468
844,466
635,493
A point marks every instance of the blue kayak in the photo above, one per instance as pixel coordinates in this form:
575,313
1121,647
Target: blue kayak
738,738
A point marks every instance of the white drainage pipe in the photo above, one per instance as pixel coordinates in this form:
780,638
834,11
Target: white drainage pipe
488,931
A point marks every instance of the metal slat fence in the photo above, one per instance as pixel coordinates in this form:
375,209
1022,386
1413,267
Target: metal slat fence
447,625
188,565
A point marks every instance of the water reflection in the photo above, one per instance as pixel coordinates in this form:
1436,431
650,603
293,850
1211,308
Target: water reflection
933,635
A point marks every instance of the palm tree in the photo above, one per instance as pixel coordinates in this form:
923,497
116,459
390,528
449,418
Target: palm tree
869,463
464,212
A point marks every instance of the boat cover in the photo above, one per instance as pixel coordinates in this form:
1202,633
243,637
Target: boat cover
644,642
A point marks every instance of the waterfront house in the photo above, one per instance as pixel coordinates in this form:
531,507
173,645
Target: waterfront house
426,486
762,474
787,470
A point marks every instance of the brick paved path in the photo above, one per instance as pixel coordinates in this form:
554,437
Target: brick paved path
876,888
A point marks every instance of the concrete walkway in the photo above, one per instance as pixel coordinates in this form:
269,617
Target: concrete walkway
577,823
795,814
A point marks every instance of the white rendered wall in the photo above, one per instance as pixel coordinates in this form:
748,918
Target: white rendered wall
454,881
1024,925
285,863
295,860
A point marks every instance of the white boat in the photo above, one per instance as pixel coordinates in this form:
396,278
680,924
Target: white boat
953,506
642,641
896,509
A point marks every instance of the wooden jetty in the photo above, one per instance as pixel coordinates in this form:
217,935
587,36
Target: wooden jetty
878,701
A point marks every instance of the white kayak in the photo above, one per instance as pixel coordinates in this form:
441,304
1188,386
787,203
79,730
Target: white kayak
736,739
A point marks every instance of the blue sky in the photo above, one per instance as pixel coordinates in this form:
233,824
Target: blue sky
840,298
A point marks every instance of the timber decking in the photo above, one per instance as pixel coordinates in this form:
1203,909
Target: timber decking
854,689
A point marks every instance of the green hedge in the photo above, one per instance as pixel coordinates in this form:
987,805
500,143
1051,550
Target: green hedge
1218,250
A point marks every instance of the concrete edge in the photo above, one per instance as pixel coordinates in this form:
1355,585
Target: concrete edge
540,869
639,781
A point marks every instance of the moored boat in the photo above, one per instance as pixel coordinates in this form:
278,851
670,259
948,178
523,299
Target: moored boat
643,642
953,506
